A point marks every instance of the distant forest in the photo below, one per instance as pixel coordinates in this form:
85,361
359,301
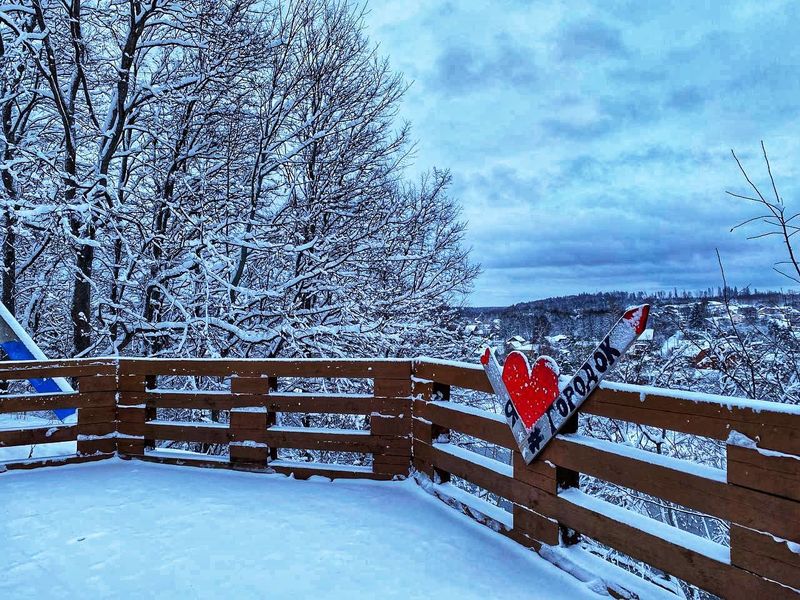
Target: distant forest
605,301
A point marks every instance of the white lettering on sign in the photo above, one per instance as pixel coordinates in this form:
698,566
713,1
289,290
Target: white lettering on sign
559,408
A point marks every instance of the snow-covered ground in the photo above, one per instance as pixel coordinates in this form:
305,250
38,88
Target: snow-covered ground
125,529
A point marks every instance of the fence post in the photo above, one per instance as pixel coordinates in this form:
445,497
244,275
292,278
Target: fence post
758,547
392,428
566,478
132,413
97,424
424,432
249,420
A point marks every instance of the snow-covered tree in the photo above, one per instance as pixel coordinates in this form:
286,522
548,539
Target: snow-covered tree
217,178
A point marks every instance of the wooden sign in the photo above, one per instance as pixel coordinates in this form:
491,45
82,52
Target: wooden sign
535,407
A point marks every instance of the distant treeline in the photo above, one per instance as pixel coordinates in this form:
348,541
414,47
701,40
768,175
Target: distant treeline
605,301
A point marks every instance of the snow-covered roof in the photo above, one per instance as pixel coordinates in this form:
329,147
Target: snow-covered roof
522,347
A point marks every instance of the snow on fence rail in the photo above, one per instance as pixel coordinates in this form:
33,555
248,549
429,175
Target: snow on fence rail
758,493
410,419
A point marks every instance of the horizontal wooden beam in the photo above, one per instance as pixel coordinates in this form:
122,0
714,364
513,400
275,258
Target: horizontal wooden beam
37,402
765,555
69,367
713,574
52,461
38,435
471,377
777,430
302,470
765,471
466,420
338,441
344,368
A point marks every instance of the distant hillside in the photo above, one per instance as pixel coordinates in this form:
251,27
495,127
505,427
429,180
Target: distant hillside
604,301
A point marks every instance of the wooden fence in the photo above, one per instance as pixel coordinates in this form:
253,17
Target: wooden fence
410,419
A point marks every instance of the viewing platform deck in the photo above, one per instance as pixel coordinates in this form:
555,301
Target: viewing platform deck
126,529
430,496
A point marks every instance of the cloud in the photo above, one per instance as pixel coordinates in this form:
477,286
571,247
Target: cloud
688,98
463,68
590,40
590,144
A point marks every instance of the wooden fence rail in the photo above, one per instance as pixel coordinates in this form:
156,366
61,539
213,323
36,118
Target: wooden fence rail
411,418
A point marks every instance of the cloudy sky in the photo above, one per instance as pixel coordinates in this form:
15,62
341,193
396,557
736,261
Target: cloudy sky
590,142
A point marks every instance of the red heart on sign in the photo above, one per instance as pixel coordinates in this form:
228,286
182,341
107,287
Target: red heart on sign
532,391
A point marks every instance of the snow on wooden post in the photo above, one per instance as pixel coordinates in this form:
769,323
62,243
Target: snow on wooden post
132,414
392,426
567,478
532,520
758,549
97,422
425,433
249,420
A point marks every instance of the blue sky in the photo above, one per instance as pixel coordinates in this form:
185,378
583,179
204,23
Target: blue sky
590,142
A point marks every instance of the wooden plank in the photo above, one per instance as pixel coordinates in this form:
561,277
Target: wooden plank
188,433
771,473
522,539
338,442
298,367
392,388
132,414
356,404
471,377
251,385
762,554
339,404
300,471
130,447
190,461
642,472
764,512
715,576
250,454
131,383
202,400
383,425
103,414
81,367
95,428
387,459
540,474
535,526
25,436
132,428
248,420
37,402
54,461
451,416
482,476
646,473
392,465
775,430
96,446
97,383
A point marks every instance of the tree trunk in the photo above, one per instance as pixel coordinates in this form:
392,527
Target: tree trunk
82,297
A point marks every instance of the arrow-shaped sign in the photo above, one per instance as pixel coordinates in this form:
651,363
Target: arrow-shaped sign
562,405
